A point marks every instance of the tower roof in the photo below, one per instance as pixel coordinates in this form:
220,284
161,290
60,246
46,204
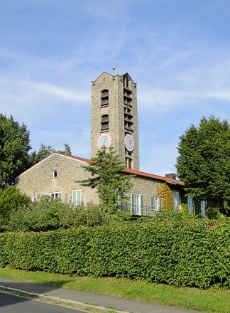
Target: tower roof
111,75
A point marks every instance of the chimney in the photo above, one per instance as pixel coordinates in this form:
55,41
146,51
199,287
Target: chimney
171,175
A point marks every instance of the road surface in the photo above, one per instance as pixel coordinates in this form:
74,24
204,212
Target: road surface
13,304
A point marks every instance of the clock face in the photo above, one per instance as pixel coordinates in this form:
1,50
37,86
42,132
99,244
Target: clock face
129,142
104,141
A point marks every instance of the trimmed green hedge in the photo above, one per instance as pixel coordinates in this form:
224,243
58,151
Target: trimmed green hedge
177,251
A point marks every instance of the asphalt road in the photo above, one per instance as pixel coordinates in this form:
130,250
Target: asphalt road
78,299
13,304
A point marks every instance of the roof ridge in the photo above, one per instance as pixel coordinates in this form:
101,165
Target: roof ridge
73,156
126,170
150,175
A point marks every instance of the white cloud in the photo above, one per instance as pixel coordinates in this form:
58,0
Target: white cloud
47,110
43,89
51,50
27,92
165,99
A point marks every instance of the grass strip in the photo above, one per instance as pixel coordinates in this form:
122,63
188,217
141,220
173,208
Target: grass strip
211,300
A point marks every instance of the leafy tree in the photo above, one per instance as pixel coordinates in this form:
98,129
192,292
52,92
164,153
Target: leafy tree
11,200
109,180
67,149
14,148
44,151
204,163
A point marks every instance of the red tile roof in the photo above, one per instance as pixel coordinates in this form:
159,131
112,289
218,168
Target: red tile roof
134,172
153,176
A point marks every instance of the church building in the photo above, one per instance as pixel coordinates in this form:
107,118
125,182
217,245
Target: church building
114,122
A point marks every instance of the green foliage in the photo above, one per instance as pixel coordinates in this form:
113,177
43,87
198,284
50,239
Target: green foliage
109,180
11,200
204,163
14,148
44,151
47,215
213,212
171,249
14,151
67,149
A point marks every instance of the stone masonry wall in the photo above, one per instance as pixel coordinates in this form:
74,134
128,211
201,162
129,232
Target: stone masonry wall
38,180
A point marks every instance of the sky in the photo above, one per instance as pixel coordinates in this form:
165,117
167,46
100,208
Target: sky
177,51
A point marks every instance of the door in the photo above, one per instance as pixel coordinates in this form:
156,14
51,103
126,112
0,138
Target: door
136,203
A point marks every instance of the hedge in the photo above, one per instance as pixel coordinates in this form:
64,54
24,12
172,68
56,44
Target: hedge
192,252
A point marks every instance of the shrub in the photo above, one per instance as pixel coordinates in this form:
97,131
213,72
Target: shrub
47,215
172,249
11,200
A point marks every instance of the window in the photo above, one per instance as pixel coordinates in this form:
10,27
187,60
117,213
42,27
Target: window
105,123
76,197
54,174
196,206
104,98
123,206
128,119
127,92
128,101
126,81
191,205
136,203
156,203
203,205
176,199
55,195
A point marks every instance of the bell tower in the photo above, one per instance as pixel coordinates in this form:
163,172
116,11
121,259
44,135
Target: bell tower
114,117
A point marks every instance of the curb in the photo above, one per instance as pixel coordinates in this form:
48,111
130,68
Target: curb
58,301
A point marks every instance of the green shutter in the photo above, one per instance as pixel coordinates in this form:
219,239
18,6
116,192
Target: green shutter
74,196
142,202
152,203
133,198
60,196
142,205
78,198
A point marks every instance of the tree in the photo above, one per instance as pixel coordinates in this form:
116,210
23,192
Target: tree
11,200
108,178
44,151
14,151
204,163
67,149
14,148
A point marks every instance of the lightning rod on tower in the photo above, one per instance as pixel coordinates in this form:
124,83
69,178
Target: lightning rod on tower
114,66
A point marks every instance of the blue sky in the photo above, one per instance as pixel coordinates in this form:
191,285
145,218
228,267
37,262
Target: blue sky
177,51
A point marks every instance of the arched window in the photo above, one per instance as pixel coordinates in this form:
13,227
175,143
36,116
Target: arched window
104,98
105,123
